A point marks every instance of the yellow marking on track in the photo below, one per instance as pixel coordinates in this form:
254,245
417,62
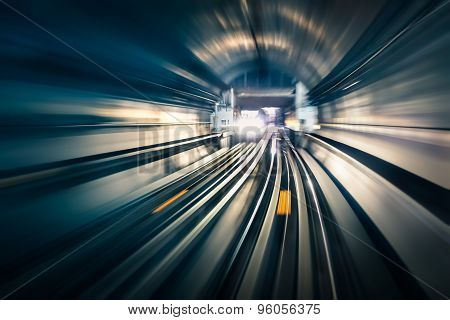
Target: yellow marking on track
284,203
171,200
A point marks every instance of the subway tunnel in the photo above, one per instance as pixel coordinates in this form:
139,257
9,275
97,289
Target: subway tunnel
236,149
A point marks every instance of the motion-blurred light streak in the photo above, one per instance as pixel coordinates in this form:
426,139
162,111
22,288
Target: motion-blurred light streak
171,200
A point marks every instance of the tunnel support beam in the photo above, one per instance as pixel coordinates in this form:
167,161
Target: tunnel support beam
306,114
223,118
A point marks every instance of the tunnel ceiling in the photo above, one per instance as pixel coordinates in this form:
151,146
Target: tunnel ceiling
195,48
305,39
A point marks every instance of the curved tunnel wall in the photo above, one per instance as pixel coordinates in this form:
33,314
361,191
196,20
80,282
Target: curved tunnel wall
393,103
400,81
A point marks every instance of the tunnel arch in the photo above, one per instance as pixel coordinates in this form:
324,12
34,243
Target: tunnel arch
288,34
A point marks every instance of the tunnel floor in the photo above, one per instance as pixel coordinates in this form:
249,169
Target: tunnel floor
261,219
